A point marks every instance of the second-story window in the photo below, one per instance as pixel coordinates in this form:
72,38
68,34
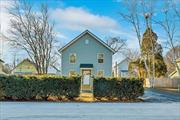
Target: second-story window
72,58
86,41
100,57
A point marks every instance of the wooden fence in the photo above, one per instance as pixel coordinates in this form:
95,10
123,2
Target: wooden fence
164,82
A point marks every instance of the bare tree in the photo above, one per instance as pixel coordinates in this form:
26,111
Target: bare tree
148,11
133,16
176,9
32,32
169,59
131,54
169,25
55,61
118,44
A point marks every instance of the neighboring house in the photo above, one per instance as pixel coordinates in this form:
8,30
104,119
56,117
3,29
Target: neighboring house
87,55
121,69
1,66
25,67
175,73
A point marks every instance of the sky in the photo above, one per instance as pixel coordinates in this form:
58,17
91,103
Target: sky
71,17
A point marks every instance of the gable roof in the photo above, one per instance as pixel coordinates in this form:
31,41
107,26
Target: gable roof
126,59
175,71
23,62
82,34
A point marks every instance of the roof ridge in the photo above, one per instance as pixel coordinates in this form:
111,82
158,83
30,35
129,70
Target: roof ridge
123,60
80,35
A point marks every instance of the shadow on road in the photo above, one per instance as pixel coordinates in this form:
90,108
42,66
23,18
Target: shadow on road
158,95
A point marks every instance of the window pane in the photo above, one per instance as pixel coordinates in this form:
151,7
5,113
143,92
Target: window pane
100,58
72,58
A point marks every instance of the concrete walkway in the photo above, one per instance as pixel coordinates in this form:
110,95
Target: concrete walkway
86,97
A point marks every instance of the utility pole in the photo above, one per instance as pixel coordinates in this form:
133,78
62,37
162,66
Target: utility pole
152,79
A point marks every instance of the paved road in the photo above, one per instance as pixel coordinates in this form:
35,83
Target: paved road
159,105
159,95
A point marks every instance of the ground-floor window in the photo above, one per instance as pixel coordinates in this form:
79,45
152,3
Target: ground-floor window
124,74
100,73
72,73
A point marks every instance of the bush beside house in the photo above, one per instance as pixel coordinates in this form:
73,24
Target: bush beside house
66,88
39,88
121,88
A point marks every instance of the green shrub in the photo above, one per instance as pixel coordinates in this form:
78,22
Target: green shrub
2,92
29,87
128,88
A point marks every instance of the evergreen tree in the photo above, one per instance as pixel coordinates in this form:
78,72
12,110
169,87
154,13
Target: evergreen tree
151,47
150,50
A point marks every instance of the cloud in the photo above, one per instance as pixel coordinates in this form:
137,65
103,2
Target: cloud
78,19
60,35
71,20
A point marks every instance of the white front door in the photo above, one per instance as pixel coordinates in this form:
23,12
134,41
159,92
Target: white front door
86,79
86,76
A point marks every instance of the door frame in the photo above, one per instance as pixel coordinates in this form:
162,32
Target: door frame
91,81
81,70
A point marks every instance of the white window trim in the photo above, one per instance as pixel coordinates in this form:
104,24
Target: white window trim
103,57
102,72
70,58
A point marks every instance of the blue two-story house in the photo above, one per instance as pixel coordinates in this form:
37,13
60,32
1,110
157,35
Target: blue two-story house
87,54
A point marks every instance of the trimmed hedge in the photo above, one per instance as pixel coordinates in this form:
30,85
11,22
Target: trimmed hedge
66,88
124,88
29,88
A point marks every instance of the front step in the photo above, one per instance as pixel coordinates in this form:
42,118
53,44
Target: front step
86,91
86,97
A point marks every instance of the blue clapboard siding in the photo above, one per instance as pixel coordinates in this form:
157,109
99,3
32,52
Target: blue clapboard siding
87,54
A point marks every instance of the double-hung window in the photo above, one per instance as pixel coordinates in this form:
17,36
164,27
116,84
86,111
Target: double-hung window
100,57
72,58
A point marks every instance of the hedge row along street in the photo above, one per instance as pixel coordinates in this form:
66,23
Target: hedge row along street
66,88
